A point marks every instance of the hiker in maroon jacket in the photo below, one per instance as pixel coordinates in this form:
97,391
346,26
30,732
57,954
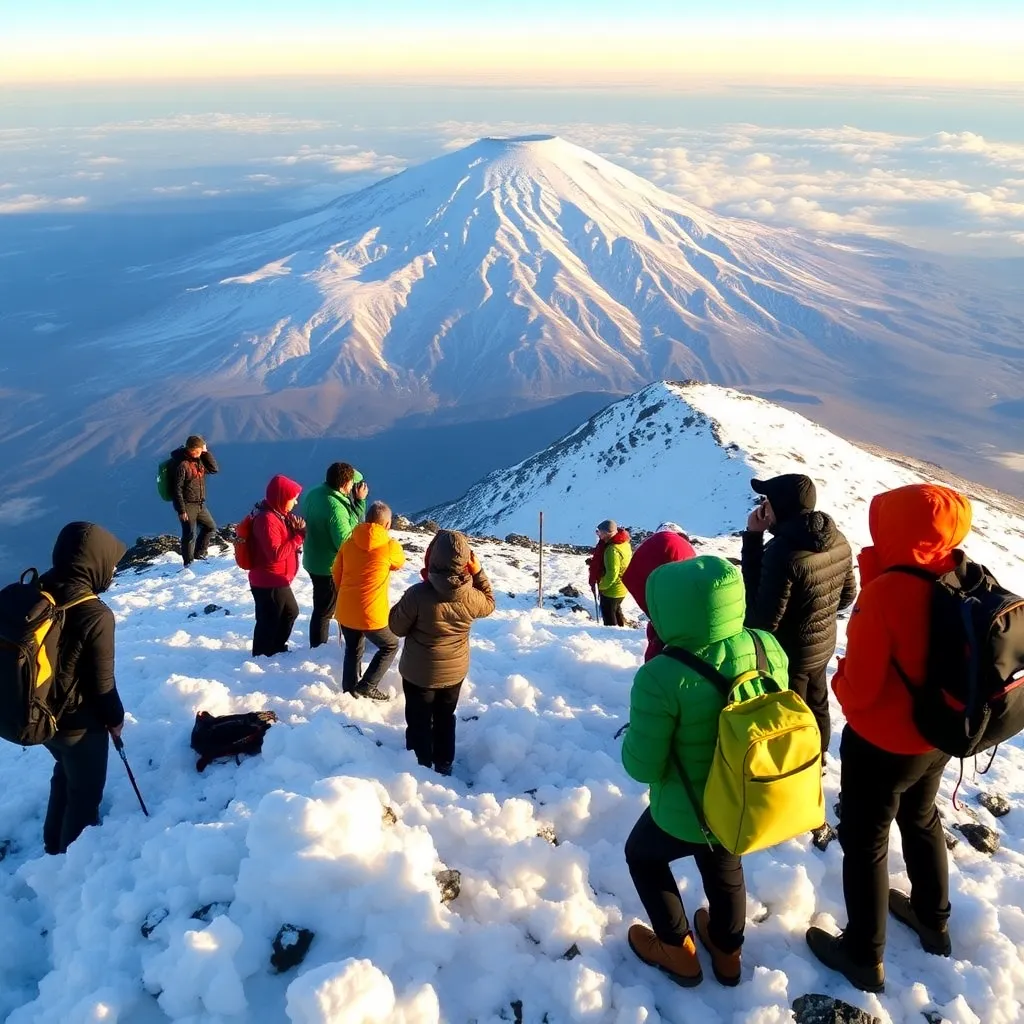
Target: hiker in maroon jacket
277,536
667,544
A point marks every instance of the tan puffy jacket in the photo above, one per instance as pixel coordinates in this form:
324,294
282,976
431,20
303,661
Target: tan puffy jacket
435,616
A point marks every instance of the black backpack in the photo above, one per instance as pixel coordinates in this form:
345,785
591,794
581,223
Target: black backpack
30,628
972,696
216,736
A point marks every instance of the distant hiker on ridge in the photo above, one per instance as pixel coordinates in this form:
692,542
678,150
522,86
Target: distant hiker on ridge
332,511
607,564
277,535
362,571
667,544
797,583
189,466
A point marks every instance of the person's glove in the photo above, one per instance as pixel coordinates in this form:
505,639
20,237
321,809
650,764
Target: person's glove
297,523
473,565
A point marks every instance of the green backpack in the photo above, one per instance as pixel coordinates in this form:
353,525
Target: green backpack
163,480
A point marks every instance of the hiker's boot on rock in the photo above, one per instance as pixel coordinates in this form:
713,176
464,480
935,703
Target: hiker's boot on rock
726,966
680,963
933,940
829,949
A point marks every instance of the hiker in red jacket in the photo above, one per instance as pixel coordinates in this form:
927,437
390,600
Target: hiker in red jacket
277,536
667,544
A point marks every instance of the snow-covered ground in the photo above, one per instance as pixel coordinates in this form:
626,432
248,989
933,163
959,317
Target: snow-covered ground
302,835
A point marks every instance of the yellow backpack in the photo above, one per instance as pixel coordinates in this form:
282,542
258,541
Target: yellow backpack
764,786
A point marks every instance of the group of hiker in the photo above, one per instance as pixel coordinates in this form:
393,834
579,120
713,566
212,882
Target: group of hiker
723,640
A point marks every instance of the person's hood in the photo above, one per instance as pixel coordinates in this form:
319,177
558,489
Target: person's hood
370,536
619,537
446,567
920,524
697,602
808,531
84,558
790,494
280,491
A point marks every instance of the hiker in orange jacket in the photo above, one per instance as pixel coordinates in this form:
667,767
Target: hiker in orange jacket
362,569
888,769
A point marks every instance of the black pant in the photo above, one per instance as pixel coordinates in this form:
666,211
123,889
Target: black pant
812,686
430,723
76,787
194,543
325,600
611,611
650,850
276,612
387,647
877,787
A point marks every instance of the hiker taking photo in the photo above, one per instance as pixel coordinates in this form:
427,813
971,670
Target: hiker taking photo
186,474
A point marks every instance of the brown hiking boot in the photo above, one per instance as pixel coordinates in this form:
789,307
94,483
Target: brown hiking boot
726,966
680,963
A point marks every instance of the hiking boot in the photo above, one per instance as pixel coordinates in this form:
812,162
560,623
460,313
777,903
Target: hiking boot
443,768
726,966
372,692
829,949
933,940
680,963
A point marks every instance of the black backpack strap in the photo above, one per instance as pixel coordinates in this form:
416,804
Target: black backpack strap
914,570
691,792
760,653
700,666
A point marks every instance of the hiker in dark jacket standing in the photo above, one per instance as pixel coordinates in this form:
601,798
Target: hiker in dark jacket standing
84,559
277,535
435,617
607,563
797,584
189,467
332,511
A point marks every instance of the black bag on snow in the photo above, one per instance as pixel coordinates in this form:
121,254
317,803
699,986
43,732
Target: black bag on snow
972,696
216,736
30,628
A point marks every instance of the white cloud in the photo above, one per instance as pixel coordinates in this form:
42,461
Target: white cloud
103,161
15,511
30,203
343,159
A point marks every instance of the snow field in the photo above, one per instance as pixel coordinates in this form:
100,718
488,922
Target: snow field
334,828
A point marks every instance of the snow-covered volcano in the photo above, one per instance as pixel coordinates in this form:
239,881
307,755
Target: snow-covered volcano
529,268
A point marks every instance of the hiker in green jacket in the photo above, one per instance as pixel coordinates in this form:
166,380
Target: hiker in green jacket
607,564
698,605
332,511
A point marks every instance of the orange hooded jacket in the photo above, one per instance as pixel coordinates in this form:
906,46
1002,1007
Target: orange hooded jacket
919,525
362,568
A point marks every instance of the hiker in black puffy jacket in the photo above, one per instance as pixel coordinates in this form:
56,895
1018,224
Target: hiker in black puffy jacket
797,583
188,470
84,559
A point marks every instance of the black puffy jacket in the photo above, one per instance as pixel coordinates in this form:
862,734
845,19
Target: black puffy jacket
188,478
797,584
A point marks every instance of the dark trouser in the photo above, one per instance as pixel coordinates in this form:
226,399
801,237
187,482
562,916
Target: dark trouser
430,723
877,787
76,787
650,850
325,600
812,686
276,612
611,611
195,542
387,647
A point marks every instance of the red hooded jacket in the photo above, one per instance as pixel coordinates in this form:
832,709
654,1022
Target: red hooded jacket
659,549
275,541
919,525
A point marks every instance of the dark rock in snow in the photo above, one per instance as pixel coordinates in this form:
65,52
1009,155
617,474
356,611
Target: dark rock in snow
570,591
547,833
427,526
761,915
517,540
210,911
817,1009
211,608
996,805
517,1010
152,921
290,947
932,1016
389,816
449,882
951,840
6,847
145,549
824,835
193,615
571,953
981,837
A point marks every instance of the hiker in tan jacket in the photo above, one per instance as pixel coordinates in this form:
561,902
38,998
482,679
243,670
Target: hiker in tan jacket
435,617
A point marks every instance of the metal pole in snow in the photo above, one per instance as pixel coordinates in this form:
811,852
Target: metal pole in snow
540,574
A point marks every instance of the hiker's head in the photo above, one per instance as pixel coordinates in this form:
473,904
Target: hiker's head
607,529
195,445
86,554
920,524
283,494
340,476
787,496
380,514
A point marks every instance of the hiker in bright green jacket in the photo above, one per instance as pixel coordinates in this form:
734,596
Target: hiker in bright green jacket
698,605
332,511
607,564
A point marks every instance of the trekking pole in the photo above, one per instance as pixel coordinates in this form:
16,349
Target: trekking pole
540,565
119,747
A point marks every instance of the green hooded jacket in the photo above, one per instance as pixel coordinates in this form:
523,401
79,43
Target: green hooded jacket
698,605
330,516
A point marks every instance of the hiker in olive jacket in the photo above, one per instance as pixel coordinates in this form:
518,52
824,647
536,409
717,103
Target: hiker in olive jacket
332,511
84,558
435,617
697,605
609,560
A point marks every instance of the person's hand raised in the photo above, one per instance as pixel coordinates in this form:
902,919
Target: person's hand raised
757,521
361,490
